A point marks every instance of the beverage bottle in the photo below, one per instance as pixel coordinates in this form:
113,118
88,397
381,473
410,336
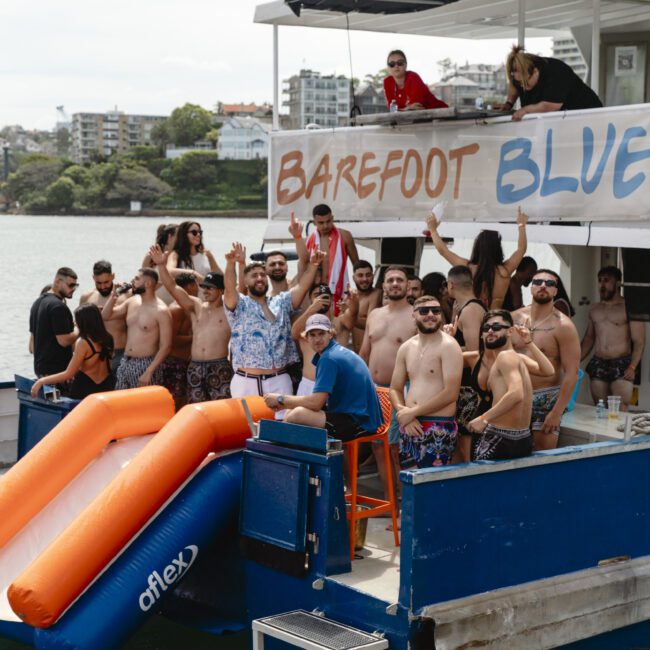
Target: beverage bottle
601,412
393,106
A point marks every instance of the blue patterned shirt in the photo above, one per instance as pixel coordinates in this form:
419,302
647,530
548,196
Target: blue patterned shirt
256,342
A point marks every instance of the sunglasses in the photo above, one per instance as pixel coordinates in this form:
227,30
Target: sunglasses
195,232
495,327
538,282
72,285
399,62
423,311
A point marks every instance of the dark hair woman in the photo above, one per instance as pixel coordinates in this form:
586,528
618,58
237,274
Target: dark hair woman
190,254
435,284
165,238
490,272
90,366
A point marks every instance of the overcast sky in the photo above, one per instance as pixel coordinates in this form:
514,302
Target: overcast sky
149,57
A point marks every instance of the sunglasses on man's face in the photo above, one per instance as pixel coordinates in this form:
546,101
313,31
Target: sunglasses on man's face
538,282
423,311
72,285
495,327
195,232
399,62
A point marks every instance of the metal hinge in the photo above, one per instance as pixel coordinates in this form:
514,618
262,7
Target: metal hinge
313,538
316,482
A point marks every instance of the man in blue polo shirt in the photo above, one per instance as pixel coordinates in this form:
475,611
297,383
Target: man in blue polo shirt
344,400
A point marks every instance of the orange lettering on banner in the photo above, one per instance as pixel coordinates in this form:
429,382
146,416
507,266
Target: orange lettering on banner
459,153
343,169
411,154
321,176
435,191
390,172
366,189
290,167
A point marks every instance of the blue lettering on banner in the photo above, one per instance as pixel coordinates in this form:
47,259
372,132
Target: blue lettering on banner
507,193
560,183
590,185
625,158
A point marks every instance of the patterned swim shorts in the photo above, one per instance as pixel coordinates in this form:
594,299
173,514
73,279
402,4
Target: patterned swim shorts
497,443
208,380
175,376
544,400
132,368
608,370
435,447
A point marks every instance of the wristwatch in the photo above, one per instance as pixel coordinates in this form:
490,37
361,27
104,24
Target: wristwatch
280,400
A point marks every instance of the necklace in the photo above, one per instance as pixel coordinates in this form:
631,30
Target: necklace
422,349
537,326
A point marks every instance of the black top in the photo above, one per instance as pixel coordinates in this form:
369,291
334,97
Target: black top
49,317
459,336
473,400
559,84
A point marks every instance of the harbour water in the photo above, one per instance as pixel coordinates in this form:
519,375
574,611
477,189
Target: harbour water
33,247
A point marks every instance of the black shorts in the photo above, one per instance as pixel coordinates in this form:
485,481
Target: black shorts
343,426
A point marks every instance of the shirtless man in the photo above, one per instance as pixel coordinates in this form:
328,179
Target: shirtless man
321,303
148,331
104,283
617,342
556,335
369,299
432,362
386,329
174,367
209,372
505,427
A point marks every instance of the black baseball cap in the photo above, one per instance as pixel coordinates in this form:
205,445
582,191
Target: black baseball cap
213,281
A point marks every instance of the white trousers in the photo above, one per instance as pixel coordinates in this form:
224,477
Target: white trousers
247,386
306,386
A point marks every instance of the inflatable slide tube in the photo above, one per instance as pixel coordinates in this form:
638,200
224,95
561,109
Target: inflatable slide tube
134,586
40,475
61,573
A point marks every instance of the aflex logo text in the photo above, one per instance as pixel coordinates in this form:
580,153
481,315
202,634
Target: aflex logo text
171,573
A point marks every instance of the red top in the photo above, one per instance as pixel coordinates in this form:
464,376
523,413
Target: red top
415,91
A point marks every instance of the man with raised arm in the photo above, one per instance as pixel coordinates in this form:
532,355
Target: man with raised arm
556,335
148,332
369,299
261,326
339,246
387,328
618,342
432,363
104,279
209,372
505,426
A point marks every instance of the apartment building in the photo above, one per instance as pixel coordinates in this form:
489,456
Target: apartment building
317,99
107,133
566,49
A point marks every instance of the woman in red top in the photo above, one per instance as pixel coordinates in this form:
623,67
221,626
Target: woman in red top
406,87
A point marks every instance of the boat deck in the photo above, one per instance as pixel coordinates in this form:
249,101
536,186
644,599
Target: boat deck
376,570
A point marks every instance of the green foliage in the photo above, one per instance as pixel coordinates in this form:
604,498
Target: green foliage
34,174
63,141
60,194
160,134
194,170
212,135
137,184
187,124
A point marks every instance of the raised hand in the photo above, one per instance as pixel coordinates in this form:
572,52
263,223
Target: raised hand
236,254
316,258
524,333
295,226
158,256
451,328
522,217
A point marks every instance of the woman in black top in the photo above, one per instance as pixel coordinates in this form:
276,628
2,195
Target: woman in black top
543,84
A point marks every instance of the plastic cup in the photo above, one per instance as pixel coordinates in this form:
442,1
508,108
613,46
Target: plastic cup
613,406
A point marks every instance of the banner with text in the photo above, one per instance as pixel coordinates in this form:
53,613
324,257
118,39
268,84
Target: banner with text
580,166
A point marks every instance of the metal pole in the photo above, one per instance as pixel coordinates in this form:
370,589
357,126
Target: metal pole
276,94
595,47
521,23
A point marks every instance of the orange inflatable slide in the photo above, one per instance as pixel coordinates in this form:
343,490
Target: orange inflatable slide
49,583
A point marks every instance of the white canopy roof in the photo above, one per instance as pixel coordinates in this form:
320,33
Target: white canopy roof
472,18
